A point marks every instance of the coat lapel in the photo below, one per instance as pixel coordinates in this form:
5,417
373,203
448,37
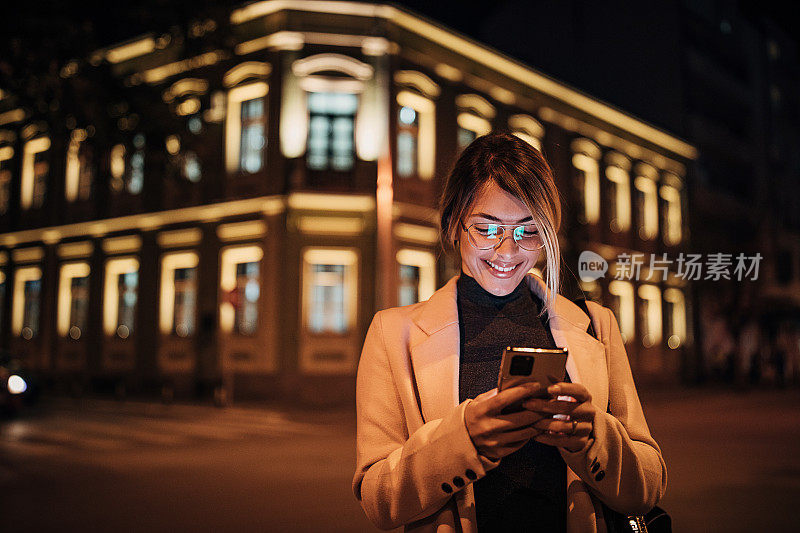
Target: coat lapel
435,358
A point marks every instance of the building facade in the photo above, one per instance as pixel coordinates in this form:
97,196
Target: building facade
221,209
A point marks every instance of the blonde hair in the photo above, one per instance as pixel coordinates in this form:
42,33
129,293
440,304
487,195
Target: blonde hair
519,169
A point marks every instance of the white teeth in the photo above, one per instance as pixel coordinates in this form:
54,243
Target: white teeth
501,269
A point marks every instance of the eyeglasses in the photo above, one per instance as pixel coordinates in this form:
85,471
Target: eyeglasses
485,236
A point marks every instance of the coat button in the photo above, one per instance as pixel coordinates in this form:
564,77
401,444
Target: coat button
458,482
600,475
595,467
447,488
471,474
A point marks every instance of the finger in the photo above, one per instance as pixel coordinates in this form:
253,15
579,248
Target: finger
552,426
511,395
507,438
550,407
486,395
584,412
513,421
571,443
575,390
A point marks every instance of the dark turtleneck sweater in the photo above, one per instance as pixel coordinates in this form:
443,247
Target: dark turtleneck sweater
527,491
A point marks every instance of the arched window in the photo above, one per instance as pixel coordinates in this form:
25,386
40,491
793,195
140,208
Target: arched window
246,117
528,129
618,169
585,160
474,118
416,124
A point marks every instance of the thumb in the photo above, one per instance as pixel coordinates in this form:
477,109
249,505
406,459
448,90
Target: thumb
486,395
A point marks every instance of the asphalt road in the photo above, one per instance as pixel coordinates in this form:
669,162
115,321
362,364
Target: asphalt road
93,465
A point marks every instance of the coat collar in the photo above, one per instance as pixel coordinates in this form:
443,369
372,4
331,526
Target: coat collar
436,358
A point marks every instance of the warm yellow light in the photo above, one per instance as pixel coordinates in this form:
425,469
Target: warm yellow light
415,233
118,161
426,262
371,123
652,294
474,123
678,316
331,202
330,225
180,237
75,249
32,147
418,81
591,185
6,153
233,124
426,144
9,117
294,117
114,268
624,291
127,51
124,243
173,144
229,258
528,129
243,71
331,256
241,230
622,198
476,103
332,62
649,215
674,221
73,165
28,255
169,263
21,276
69,271
158,74
189,106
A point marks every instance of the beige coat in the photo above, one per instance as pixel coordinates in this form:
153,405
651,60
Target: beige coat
415,459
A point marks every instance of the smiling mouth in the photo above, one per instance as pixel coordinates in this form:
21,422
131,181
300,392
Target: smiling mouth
499,268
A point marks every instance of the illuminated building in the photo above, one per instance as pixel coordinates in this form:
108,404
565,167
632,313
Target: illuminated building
247,203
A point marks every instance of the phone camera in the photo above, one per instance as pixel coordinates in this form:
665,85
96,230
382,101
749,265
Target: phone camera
521,365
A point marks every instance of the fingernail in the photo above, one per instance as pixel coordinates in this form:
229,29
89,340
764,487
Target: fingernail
553,389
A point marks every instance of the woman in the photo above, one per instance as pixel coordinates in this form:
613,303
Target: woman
433,451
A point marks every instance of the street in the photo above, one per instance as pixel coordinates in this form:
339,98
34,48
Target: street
101,465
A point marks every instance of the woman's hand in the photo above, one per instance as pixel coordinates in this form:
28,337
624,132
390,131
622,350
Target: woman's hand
495,435
573,426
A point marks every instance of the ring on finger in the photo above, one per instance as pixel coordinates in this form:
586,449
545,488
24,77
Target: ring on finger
574,427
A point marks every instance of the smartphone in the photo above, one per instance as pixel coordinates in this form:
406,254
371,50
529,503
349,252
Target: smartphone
524,365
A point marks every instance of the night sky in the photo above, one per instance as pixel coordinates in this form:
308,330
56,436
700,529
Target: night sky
622,52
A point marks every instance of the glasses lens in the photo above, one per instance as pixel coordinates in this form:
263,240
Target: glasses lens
485,236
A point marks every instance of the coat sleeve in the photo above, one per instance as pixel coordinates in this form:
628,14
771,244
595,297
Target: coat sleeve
399,477
622,464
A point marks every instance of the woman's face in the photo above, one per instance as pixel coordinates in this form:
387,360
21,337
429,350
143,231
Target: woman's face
494,205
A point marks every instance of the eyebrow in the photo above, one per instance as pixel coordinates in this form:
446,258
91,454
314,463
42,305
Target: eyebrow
495,219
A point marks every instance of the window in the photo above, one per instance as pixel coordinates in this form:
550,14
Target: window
619,200
27,302
121,295
675,312
585,159
35,168
622,304
73,300
79,174
417,272
192,170
650,314
473,118
245,128
178,307
329,290
673,221
528,129
128,173
416,136
251,150
646,207
240,284
331,141
6,155
407,139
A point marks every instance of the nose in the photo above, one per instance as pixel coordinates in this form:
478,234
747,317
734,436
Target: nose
507,245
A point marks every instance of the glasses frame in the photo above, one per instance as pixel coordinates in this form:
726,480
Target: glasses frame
502,238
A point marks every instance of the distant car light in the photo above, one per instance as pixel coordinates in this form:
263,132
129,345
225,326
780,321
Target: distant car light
16,385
